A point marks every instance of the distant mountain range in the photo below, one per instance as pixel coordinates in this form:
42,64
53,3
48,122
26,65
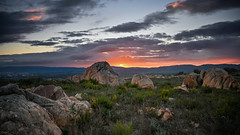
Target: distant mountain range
172,69
63,72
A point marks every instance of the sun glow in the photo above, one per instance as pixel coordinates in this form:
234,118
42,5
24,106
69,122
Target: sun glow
121,65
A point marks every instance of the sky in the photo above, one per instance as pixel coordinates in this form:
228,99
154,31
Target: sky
125,33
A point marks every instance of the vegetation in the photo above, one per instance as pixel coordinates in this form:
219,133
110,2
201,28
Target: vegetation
203,110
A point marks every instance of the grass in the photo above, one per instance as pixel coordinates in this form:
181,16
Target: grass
115,109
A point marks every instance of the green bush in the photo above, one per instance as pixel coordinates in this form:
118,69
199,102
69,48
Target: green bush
122,129
102,101
141,96
165,94
121,89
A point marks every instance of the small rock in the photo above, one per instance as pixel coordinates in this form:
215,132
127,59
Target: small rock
78,96
143,81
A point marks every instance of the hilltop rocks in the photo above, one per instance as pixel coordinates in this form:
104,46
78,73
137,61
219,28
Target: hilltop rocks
24,112
215,78
218,78
192,80
103,73
142,80
50,91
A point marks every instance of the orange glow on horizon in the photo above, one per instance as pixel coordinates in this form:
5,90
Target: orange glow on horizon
126,62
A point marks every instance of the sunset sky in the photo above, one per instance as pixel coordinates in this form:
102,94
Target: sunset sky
127,33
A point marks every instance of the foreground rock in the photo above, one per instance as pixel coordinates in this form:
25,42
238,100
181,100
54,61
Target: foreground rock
192,80
218,78
142,80
103,73
27,113
50,91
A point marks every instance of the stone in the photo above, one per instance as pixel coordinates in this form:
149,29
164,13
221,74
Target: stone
182,87
21,116
219,78
192,80
50,91
103,73
76,78
78,96
143,81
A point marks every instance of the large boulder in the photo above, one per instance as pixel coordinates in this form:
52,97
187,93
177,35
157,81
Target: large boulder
18,115
192,80
50,91
103,73
218,78
36,114
142,80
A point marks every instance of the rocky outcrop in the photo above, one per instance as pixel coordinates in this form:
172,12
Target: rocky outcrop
50,91
143,81
103,73
24,112
215,78
76,78
192,80
218,78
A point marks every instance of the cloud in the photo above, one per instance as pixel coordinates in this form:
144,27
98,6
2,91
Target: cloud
149,20
163,17
33,16
202,6
39,43
220,29
75,33
161,35
135,51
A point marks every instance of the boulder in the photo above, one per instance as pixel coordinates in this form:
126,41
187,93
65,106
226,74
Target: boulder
192,80
218,78
103,73
76,78
142,80
50,91
18,115
36,114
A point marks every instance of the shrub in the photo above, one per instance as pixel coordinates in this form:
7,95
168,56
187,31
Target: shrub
165,94
122,129
114,98
206,90
102,101
141,96
197,71
121,89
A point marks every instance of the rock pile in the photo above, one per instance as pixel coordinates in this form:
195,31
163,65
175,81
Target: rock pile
215,78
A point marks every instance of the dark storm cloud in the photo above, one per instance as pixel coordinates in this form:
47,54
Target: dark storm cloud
33,16
220,29
39,43
12,26
162,17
